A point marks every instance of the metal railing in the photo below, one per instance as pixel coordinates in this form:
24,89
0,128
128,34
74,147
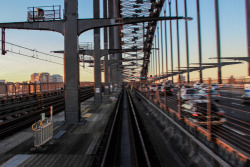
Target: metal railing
13,91
86,45
44,13
222,117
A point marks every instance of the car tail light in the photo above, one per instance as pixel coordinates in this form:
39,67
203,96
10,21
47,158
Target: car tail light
172,90
207,95
219,95
195,114
221,112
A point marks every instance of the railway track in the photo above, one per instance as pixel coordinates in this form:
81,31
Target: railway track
20,115
125,142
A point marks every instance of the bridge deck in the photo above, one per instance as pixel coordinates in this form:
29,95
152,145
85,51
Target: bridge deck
72,145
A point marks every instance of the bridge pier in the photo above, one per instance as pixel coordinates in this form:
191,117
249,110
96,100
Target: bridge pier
97,60
106,64
71,62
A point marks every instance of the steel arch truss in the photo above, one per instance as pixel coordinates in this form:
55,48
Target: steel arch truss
138,35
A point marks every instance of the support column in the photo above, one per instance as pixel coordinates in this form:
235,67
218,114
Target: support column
71,62
171,42
199,39
97,57
187,44
177,35
166,44
106,65
161,52
116,57
159,56
156,72
248,31
3,41
153,62
111,40
217,24
117,45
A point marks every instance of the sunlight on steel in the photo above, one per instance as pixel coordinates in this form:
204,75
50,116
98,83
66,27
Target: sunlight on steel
134,35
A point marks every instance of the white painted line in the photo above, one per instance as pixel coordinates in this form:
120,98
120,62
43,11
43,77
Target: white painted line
229,98
16,160
238,104
232,91
234,130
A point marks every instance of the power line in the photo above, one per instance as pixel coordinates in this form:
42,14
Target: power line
33,50
36,56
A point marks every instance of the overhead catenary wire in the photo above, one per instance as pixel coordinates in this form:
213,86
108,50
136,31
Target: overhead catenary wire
37,56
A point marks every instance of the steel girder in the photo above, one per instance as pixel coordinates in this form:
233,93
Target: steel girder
139,35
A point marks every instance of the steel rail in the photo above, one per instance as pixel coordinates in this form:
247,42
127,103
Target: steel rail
111,133
20,122
139,132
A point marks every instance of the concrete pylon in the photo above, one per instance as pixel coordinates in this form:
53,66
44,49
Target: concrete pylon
97,56
111,40
71,62
118,56
106,64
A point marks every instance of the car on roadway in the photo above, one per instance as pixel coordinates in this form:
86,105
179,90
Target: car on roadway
197,85
153,87
188,94
245,98
196,110
204,85
185,87
168,89
204,93
159,87
215,86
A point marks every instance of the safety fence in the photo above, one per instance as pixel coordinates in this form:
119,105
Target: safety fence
11,90
44,13
221,114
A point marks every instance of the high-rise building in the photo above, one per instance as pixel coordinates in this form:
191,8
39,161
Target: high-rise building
45,77
57,78
34,77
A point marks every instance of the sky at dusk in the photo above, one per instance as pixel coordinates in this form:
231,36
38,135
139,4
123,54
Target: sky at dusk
17,68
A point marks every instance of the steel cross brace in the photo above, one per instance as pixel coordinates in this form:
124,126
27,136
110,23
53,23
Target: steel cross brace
83,24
